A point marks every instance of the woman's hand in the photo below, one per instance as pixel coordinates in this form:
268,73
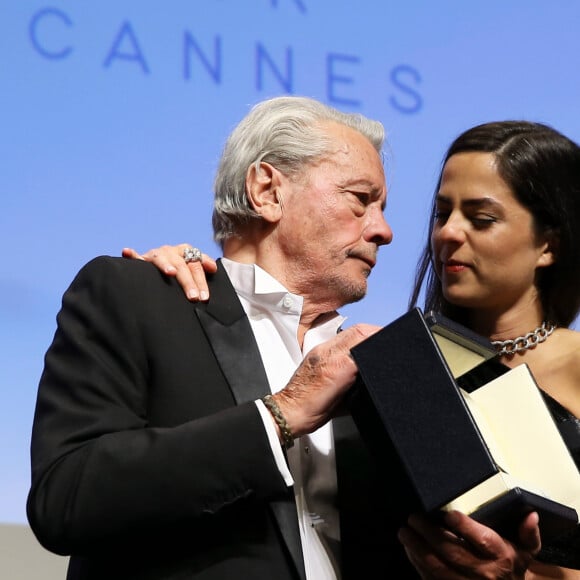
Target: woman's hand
171,261
466,550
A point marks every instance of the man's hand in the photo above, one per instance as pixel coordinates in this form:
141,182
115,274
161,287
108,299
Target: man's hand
465,549
319,384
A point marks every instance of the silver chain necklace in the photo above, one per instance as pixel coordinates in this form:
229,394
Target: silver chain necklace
530,340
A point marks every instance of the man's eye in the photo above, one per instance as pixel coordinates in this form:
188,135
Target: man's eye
361,197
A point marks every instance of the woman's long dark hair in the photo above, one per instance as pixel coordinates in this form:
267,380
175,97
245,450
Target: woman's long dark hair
542,168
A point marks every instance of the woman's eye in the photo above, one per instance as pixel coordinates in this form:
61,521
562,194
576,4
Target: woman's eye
441,216
482,221
479,221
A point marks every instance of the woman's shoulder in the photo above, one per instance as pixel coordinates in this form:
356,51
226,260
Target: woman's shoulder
560,351
560,368
569,342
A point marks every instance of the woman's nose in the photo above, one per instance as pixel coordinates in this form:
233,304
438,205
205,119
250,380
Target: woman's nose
452,229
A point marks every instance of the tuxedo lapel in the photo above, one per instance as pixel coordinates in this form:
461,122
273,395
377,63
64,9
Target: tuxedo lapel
238,355
230,334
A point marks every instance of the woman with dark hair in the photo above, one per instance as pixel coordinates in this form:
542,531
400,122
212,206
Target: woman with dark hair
541,168
502,258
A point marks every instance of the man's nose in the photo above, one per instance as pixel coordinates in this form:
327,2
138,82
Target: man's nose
378,230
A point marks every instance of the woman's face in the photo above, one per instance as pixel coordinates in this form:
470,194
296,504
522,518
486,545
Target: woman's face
484,246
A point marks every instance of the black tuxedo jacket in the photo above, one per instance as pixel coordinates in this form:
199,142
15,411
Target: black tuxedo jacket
149,457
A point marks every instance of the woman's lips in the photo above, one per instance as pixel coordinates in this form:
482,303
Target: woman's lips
453,267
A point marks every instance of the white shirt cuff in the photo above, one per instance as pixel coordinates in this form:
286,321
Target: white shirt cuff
275,443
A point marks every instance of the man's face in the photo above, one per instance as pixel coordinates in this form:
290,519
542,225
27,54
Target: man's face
332,222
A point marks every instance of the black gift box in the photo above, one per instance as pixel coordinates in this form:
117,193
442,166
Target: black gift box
427,393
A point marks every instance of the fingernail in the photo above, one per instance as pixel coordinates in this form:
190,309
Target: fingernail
192,294
402,535
170,270
204,295
452,518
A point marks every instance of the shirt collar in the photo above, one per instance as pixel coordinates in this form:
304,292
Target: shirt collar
250,279
255,284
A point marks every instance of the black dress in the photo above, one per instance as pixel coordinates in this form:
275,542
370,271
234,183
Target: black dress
564,550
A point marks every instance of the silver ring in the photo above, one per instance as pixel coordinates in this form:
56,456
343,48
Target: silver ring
192,255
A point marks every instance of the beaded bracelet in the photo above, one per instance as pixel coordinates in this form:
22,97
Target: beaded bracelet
272,406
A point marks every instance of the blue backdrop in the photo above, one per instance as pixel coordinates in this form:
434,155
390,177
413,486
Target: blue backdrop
113,115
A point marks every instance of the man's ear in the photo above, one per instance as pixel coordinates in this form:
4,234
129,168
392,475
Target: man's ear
263,185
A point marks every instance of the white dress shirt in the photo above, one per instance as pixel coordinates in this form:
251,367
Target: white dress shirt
274,315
